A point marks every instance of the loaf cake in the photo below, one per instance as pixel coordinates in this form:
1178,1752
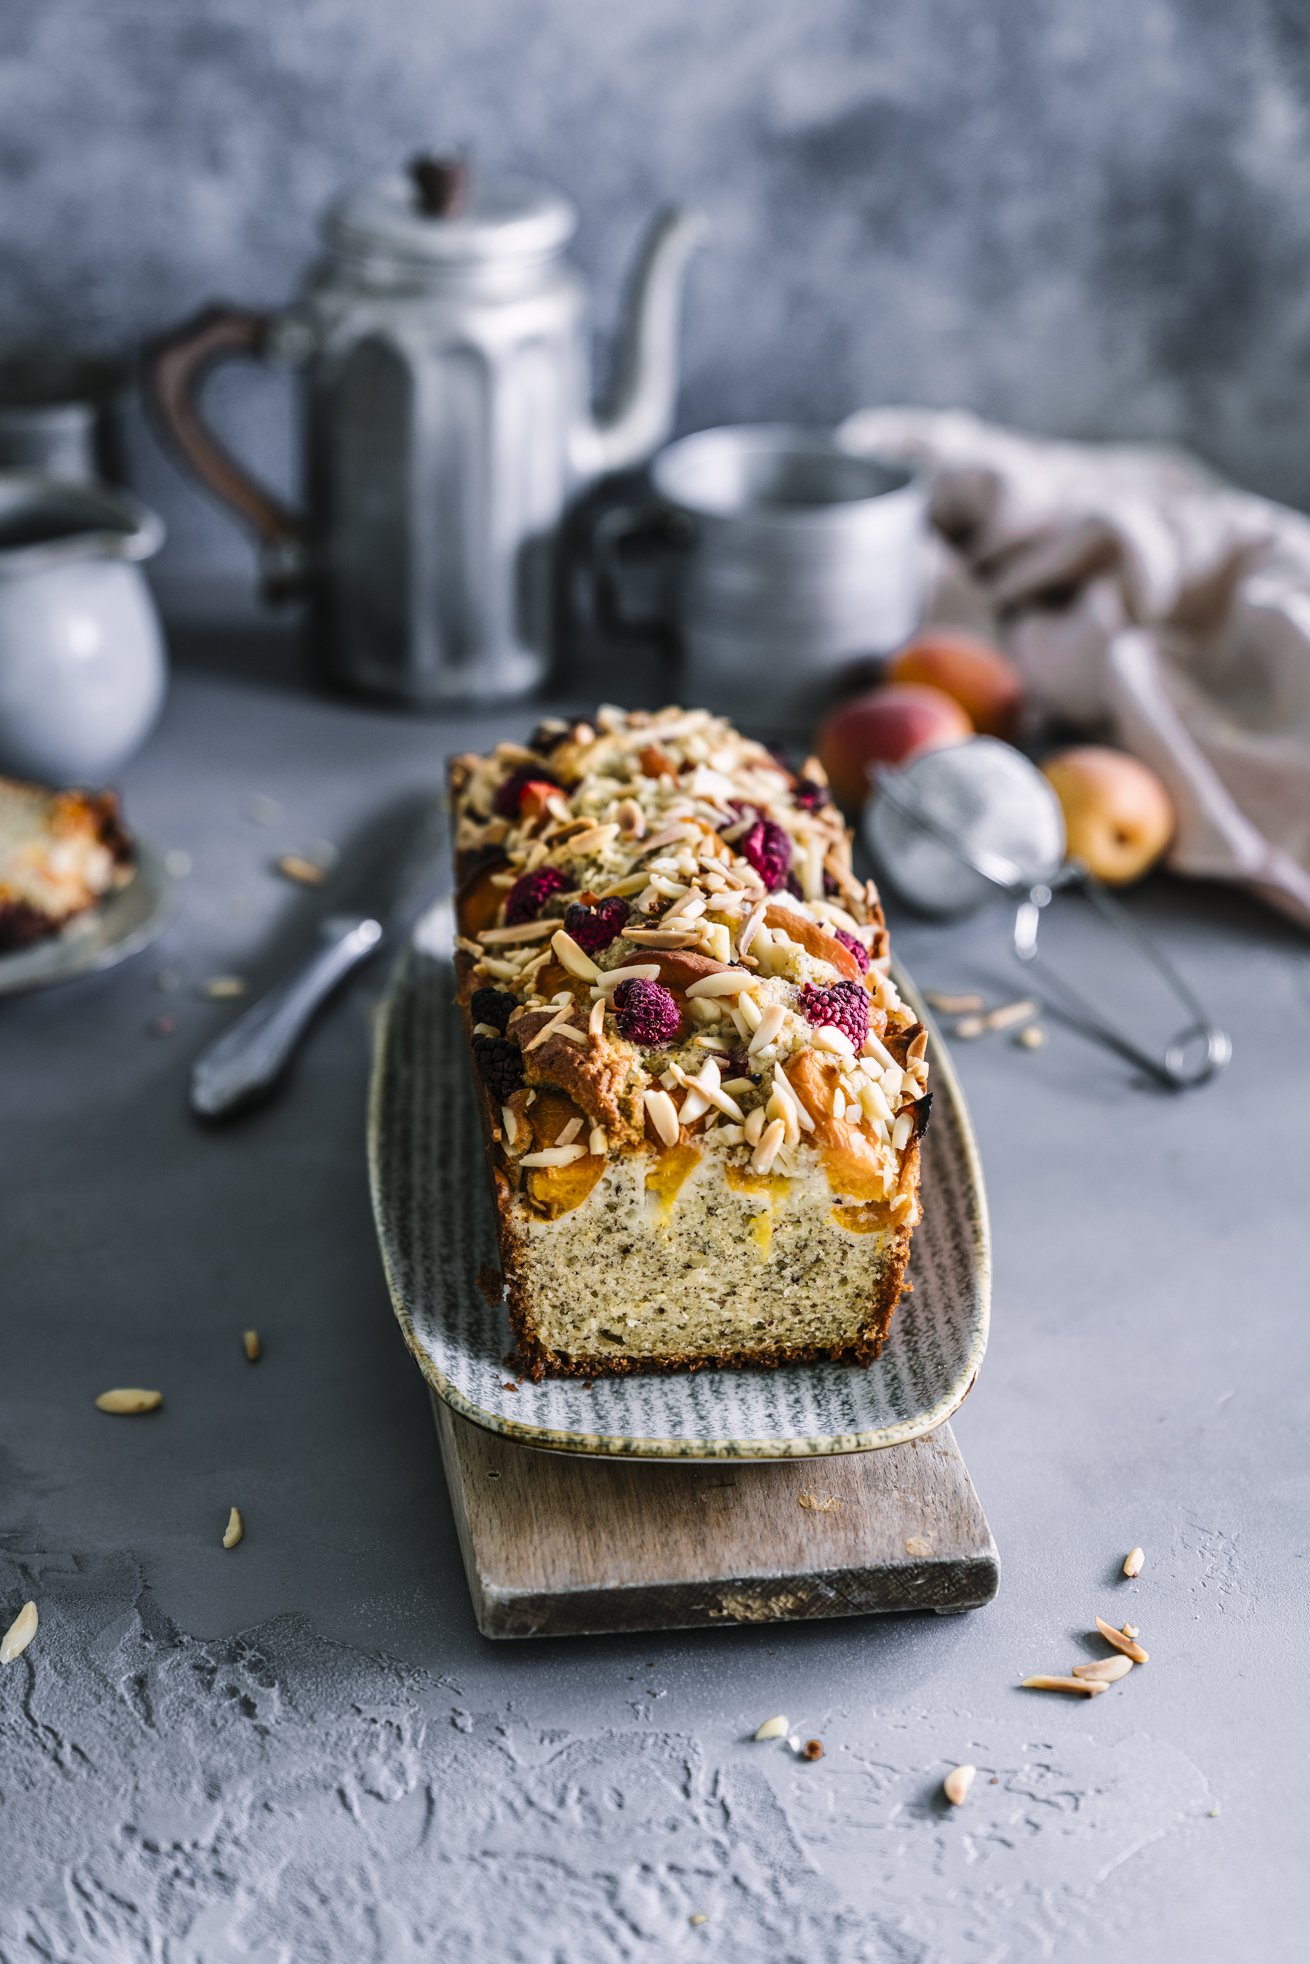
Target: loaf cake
60,853
702,1095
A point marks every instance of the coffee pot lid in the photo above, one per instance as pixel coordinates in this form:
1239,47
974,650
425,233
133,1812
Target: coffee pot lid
440,212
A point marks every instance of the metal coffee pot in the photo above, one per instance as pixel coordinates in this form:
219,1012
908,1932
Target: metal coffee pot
443,345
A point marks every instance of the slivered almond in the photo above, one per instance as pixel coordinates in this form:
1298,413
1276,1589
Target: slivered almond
901,1132
570,1132
771,1143
803,1118
1128,1645
957,1783
727,982
294,866
672,835
1107,1670
598,1141
663,1115
952,1005
749,1010
554,1156
969,1027
769,1027
631,972
576,960
596,1020
754,1125
235,1528
1134,1562
1010,1013
694,1106
716,940
23,1628
550,1029
780,1106
828,1037
1087,1687
774,1728
658,937
253,1347
127,1402
493,937
751,926
875,1048
596,840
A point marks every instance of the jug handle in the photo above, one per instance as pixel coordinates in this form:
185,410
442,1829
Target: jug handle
177,365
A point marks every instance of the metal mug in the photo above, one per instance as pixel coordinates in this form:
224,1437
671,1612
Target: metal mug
781,562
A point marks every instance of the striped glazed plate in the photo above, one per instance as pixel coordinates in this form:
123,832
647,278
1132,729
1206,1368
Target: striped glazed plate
436,1227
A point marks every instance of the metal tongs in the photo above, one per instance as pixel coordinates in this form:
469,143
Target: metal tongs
1195,1053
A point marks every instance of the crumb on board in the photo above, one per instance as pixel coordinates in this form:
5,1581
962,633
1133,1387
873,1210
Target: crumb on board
819,1503
305,872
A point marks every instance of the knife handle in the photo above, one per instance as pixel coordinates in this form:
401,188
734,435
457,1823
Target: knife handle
244,1064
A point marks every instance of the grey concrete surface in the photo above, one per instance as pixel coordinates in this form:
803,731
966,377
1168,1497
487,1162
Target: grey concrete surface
302,1750
1083,219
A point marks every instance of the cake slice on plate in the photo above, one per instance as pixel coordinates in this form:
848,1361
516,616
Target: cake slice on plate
60,853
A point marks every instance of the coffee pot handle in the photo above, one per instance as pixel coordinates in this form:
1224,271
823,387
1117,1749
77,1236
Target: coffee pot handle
177,365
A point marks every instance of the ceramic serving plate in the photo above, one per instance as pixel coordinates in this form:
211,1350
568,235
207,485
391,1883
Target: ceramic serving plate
120,926
436,1226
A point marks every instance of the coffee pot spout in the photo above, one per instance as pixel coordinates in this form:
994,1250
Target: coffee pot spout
638,415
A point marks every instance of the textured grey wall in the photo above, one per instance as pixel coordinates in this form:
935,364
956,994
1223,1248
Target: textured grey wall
1088,218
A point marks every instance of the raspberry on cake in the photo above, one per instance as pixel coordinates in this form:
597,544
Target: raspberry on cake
701,1092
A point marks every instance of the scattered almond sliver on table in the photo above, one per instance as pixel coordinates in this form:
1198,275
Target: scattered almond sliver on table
19,1634
128,1402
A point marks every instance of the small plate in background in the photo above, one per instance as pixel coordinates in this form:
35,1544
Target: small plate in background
121,926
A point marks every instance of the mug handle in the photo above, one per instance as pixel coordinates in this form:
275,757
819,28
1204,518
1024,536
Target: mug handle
618,532
177,365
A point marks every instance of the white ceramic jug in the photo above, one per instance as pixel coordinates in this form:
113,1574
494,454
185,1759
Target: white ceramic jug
81,651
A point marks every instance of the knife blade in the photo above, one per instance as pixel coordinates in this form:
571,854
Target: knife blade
240,1068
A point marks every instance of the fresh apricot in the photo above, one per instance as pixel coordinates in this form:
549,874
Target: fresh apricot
969,670
887,725
1118,815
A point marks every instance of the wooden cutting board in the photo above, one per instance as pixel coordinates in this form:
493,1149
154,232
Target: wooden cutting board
561,1544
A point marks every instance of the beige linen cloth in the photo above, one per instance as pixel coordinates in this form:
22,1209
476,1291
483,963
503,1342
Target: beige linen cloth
1144,600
